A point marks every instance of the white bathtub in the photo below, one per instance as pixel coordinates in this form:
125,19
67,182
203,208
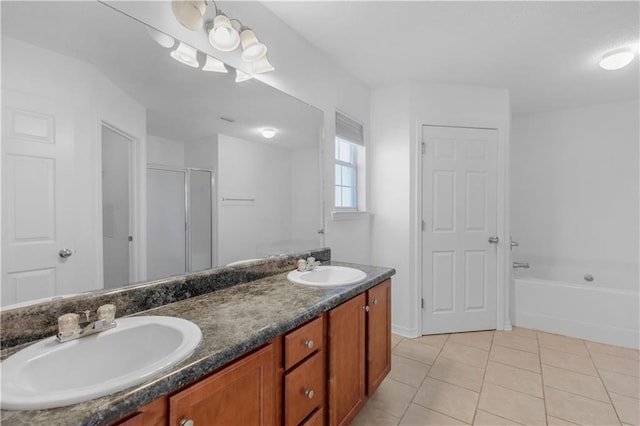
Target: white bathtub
588,311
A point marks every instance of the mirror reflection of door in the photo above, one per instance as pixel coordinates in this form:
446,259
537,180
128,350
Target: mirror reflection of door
117,150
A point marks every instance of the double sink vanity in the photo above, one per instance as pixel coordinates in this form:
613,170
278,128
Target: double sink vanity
248,344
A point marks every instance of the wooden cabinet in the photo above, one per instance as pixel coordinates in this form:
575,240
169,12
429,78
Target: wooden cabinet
359,342
326,367
240,394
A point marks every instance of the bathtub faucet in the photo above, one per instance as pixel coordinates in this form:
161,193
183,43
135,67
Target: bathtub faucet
520,265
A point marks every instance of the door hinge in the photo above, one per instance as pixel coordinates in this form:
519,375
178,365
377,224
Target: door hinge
130,238
424,147
422,303
423,226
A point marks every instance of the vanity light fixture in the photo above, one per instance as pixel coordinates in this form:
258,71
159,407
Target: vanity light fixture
222,35
214,65
252,49
242,76
616,59
186,54
161,38
268,133
262,65
190,13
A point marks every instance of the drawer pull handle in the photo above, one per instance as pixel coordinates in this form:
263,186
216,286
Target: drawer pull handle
309,393
309,344
375,301
186,422
366,308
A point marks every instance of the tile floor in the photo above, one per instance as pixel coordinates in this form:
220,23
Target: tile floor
506,378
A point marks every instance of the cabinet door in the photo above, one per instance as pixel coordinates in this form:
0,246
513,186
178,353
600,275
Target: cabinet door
378,335
346,360
240,394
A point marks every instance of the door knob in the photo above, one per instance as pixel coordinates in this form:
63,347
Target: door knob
494,240
64,253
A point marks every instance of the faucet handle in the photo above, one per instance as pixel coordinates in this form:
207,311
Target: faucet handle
68,324
302,265
107,312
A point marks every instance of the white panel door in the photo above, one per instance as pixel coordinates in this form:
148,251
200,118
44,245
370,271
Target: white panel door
459,212
37,190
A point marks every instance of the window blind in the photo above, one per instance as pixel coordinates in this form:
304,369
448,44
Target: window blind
349,129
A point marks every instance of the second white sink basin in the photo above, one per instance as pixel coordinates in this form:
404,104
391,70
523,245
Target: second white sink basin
49,374
328,276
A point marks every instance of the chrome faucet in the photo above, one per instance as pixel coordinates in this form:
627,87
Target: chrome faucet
69,329
308,265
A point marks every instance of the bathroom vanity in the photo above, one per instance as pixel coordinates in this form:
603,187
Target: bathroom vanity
272,352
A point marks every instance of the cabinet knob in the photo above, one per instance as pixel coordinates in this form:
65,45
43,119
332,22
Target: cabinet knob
186,422
366,308
309,393
309,344
375,301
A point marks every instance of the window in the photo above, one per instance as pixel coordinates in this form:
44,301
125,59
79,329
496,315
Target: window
349,156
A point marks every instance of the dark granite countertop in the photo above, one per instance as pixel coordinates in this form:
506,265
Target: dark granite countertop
233,321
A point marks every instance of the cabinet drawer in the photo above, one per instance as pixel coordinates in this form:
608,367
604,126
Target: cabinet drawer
303,390
303,342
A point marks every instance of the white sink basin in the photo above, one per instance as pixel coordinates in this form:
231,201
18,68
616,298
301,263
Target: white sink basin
328,276
49,374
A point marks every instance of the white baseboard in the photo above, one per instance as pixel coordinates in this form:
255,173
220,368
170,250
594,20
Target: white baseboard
405,332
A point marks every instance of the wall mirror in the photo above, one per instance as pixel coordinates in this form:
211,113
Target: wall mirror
121,164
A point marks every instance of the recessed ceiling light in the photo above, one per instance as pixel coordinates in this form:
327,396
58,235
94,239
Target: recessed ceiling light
616,59
268,133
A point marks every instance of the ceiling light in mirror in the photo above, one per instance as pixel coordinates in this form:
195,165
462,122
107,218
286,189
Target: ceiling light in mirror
222,35
252,49
214,65
242,76
262,65
186,54
616,59
189,13
268,133
161,38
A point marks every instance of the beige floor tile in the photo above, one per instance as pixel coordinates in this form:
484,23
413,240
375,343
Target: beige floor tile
573,382
395,339
480,340
517,406
373,416
577,363
578,409
420,416
562,343
515,341
487,419
457,373
613,350
416,351
435,340
616,364
526,332
621,383
514,378
466,354
628,409
521,359
447,399
392,397
408,371
554,421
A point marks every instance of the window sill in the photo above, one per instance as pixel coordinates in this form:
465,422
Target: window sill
350,215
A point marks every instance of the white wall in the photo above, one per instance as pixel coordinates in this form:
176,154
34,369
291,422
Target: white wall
301,71
93,99
575,192
397,114
165,152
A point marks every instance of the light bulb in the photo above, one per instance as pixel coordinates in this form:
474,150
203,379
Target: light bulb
252,49
222,35
268,133
616,59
